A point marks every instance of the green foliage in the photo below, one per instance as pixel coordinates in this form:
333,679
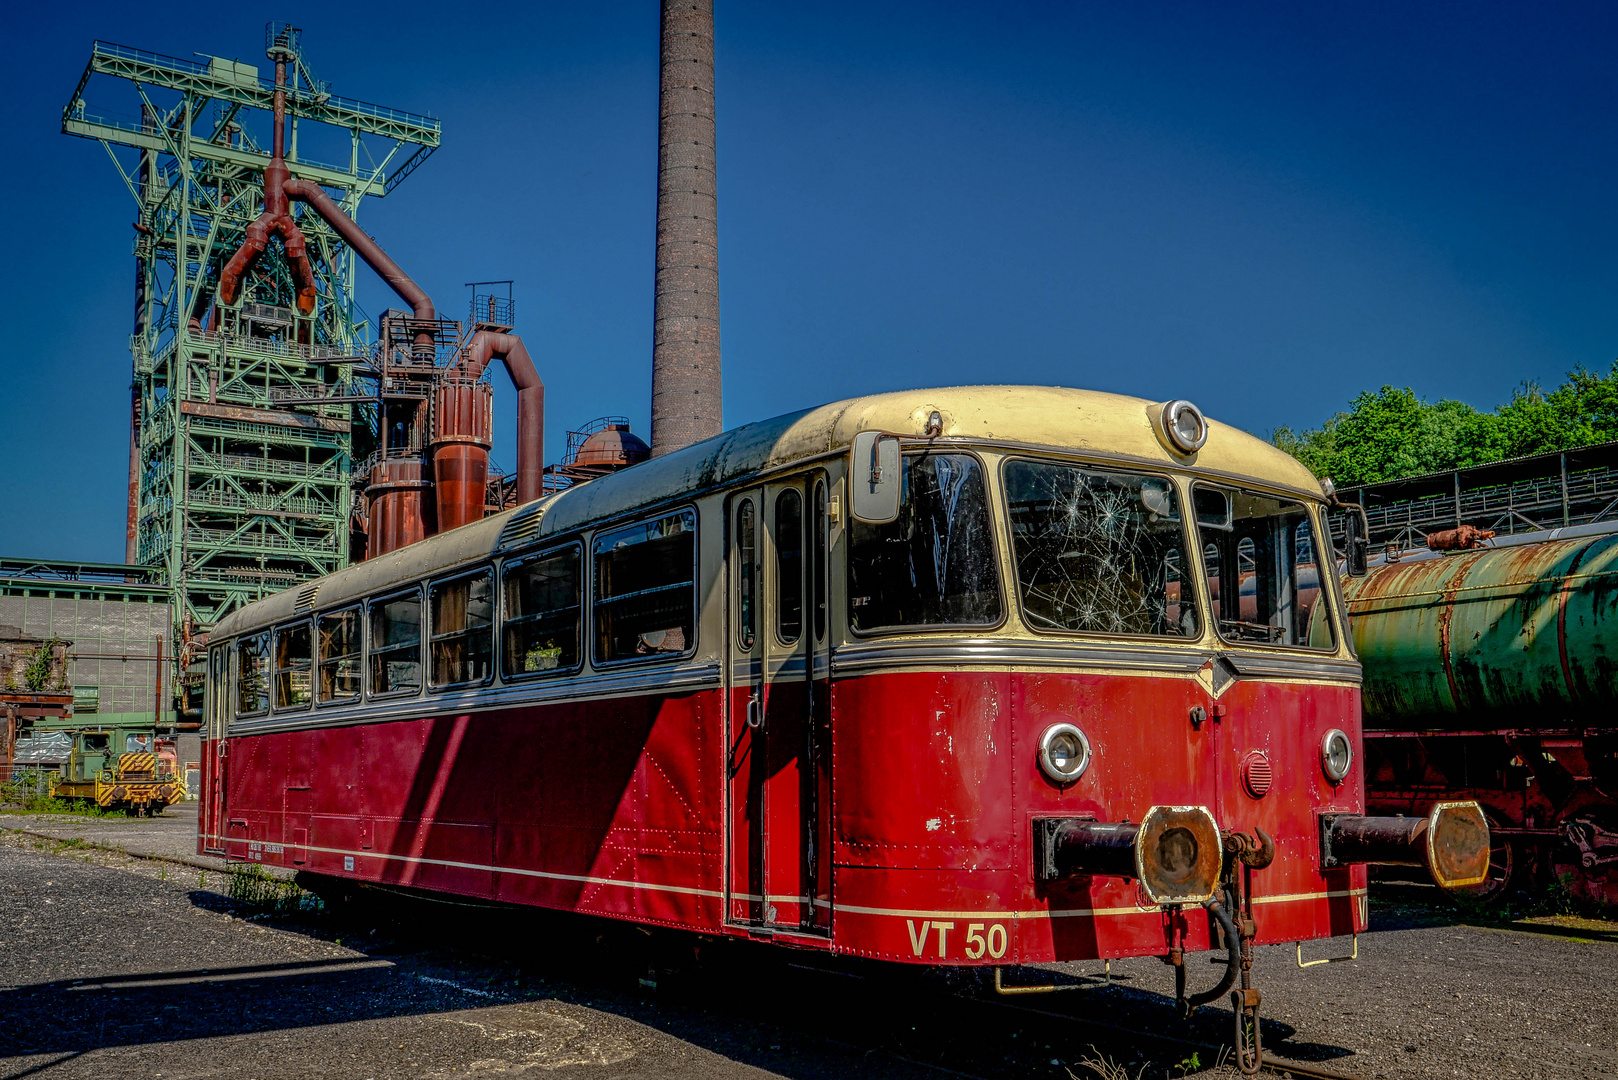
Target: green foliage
252,885
1391,433
37,675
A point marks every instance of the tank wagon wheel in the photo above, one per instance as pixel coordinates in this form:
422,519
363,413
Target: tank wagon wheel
1502,872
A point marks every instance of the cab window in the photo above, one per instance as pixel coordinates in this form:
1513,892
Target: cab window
1098,551
1263,567
934,565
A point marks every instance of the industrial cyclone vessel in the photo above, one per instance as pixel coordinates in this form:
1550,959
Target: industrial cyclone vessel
959,676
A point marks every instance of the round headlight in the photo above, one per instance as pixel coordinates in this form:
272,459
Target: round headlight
1336,755
1185,427
1064,753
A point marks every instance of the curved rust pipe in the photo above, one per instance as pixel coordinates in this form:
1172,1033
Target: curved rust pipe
275,220
306,191
487,345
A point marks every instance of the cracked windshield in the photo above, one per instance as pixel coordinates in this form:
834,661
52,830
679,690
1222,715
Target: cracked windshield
1098,552
1263,578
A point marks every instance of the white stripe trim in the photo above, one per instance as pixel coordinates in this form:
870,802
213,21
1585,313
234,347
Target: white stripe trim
851,909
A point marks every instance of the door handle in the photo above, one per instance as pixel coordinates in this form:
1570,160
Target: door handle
755,712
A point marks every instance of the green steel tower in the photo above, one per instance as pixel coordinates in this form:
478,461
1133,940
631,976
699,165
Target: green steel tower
246,417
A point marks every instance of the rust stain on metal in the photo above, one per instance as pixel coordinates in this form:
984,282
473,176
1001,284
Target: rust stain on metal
1446,615
1459,539
1564,589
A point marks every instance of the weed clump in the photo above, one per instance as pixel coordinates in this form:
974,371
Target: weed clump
255,887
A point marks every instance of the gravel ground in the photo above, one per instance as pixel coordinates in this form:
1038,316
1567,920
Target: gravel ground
116,966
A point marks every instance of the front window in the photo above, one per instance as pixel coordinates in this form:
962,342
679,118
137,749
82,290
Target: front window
1099,552
934,564
1263,568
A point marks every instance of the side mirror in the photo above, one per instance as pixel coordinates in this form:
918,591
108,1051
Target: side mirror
1358,550
873,478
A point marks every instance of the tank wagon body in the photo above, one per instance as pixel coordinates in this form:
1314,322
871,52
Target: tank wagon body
1492,675
725,691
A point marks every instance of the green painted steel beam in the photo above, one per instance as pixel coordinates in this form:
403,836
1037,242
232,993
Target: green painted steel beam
214,82
126,135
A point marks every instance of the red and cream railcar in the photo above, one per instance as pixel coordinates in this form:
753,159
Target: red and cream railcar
982,675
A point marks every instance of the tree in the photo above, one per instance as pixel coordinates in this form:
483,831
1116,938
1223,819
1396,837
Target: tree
1391,433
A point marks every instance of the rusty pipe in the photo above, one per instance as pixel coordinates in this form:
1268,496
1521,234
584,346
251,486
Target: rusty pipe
487,345
275,220
421,305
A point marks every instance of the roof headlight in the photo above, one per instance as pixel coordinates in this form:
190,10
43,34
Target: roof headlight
1185,426
1064,753
1336,755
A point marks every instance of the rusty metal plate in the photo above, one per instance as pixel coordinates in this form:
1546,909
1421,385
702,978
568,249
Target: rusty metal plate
1177,854
1458,844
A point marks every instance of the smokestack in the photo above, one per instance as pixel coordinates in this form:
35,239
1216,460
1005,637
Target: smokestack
686,395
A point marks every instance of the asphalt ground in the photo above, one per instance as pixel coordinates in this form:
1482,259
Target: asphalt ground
115,966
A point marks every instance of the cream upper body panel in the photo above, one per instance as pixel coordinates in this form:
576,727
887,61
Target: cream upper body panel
1084,422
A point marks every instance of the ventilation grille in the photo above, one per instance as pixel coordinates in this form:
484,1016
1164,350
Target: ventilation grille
306,597
1257,774
523,526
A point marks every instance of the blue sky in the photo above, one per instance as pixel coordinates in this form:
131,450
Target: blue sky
1263,208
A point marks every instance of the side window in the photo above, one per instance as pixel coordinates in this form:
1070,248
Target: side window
934,565
340,670
818,535
645,589
253,674
217,708
789,565
396,644
543,605
746,574
463,629
294,666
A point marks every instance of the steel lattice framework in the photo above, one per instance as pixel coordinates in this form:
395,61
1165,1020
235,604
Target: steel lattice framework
246,420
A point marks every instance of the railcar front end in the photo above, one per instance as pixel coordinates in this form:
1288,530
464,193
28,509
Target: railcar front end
986,675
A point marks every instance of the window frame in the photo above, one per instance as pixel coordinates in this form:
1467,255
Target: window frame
990,496
596,663
778,605
371,693
236,675
1191,563
517,562
1311,512
275,672
430,627
364,623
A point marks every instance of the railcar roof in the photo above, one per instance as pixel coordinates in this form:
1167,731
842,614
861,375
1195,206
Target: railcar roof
1050,416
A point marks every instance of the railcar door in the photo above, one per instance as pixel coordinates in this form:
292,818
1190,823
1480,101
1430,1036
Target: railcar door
217,708
779,761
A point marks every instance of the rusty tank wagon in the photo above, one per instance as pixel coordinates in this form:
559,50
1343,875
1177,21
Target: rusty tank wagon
1492,674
